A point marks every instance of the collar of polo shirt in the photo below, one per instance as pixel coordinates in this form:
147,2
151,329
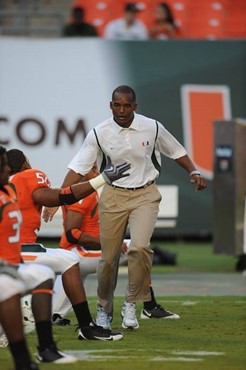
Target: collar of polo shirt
134,124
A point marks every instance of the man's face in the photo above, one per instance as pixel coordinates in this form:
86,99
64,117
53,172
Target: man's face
5,170
130,17
123,108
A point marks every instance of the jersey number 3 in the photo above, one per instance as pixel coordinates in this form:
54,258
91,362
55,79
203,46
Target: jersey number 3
15,226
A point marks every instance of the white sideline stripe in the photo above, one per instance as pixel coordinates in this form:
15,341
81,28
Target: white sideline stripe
198,353
189,303
86,356
112,354
176,359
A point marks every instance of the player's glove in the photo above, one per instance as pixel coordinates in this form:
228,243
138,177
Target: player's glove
113,172
10,270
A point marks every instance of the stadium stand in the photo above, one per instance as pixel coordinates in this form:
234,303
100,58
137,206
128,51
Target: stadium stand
206,19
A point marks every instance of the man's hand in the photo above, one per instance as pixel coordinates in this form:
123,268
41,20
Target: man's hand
199,181
114,172
49,213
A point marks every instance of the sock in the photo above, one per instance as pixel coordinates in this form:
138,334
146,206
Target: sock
20,353
82,313
152,303
44,332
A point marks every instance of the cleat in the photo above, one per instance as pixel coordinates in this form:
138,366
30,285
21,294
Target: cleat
103,319
55,356
158,312
95,332
3,341
58,320
128,314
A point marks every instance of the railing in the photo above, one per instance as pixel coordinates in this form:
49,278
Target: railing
22,23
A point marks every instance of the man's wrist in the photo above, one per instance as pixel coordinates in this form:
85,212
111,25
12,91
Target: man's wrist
195,173
97,182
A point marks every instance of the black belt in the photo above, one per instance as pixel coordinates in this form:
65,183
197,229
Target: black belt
140,187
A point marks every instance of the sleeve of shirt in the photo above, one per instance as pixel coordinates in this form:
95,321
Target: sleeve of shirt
168,145
85,158
142,31
110,31
36,179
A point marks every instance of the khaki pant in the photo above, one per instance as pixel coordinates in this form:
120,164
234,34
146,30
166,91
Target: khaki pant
119,208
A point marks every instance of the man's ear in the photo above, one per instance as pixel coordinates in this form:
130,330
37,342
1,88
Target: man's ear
135,106
111,105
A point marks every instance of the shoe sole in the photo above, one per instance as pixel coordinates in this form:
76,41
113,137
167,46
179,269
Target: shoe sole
129,327
114,337
172,317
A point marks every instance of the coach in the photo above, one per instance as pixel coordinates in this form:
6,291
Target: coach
132,200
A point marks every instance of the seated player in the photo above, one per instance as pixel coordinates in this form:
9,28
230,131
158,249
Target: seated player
11,317
37,279
82,236
33,191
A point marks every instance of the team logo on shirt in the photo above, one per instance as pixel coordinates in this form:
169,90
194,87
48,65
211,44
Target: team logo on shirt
202,105
145,143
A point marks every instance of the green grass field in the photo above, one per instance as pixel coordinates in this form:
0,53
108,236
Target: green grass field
190,257
210,335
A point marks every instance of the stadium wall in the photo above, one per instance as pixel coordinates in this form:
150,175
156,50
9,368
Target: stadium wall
52,92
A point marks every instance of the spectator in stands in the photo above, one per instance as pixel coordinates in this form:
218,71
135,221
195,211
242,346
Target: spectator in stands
78,27
164,27
127,27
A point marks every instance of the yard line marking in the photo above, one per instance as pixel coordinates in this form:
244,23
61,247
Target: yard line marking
86,355
189,303
198,353
178,359
113,354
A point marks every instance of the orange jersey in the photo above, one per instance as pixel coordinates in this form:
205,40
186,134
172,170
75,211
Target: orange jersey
25,183
88,207
10,224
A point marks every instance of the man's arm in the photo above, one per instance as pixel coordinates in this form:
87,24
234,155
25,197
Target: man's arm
74,234
195,178
56,197
71,178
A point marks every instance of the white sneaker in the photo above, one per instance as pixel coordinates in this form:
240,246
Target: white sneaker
28,318
103,319
128,314
3,341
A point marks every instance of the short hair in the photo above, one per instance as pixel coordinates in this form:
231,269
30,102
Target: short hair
124,89
16,159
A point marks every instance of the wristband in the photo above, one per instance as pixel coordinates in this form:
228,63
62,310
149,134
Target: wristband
197,173
73,236
66,196
97,182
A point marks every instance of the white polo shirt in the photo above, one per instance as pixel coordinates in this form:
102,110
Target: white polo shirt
136,144
118,30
